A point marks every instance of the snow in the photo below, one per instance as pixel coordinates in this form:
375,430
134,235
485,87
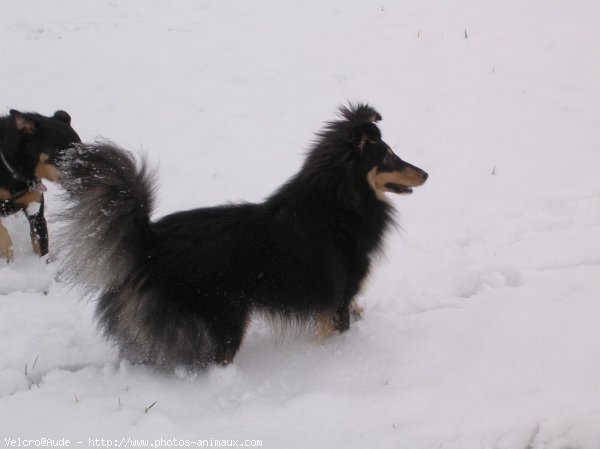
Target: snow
481,322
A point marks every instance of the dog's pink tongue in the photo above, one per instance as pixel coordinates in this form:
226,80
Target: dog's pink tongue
40,187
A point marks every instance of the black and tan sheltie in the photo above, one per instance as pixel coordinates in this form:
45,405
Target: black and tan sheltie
179,291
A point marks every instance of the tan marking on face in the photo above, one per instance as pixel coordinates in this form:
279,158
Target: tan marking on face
29,197
373,182
5,195
408,177
6,245
47,171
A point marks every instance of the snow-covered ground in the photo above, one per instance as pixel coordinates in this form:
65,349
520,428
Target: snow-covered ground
482,323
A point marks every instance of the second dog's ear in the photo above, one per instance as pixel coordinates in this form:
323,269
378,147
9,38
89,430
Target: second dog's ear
22,123
63,116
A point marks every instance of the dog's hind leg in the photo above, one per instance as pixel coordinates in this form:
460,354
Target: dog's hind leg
228,331
341,318
37,222
6,245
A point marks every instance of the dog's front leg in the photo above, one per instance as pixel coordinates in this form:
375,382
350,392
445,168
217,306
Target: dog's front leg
356,310
341,318
39,233
33,206
329,322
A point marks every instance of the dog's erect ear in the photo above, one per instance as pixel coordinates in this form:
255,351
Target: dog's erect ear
362,119
360,113
63,116
22,123
370,115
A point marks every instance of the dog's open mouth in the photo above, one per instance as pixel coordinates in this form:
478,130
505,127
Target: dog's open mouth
397,188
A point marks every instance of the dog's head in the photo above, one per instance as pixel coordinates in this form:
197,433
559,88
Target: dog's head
383,169
32,142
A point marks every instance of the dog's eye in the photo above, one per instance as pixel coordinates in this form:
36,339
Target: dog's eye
389,157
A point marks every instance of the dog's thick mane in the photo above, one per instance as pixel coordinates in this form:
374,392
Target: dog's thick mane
330,173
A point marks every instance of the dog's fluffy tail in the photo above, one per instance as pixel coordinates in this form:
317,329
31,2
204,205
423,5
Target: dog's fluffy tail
109,249
105,233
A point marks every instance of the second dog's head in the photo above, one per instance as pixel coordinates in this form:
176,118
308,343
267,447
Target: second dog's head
32,142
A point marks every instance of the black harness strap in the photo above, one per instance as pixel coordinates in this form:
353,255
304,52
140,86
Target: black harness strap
31,184
15,174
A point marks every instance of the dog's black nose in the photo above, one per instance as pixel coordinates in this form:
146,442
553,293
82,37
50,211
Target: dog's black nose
424,175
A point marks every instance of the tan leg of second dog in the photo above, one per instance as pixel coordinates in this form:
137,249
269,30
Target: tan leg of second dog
6,245
35,244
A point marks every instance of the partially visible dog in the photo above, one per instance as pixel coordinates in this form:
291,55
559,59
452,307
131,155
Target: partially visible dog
180,290
29,146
